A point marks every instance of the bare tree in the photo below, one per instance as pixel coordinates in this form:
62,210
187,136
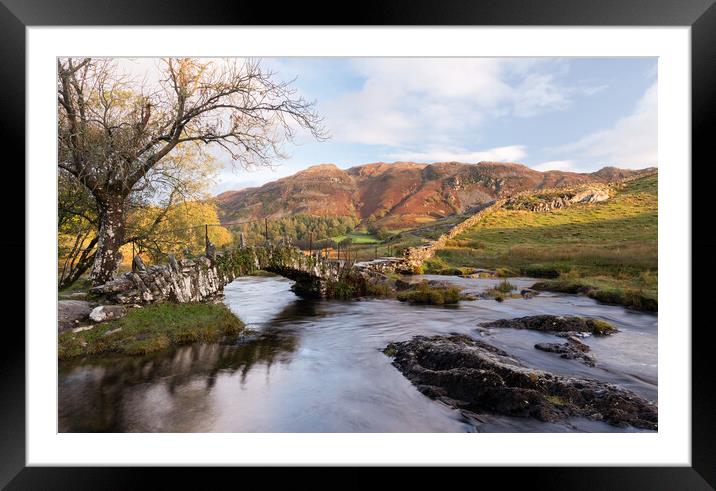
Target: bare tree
114,131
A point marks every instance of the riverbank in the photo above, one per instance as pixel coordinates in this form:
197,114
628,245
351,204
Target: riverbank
150,329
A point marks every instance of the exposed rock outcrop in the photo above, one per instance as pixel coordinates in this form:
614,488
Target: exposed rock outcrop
556,199
473,375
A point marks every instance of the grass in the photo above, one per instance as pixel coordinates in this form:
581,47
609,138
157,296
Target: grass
505,287
609,246
437,265
152,328
600,327
82,285
603,290
358,238
501,290
423,293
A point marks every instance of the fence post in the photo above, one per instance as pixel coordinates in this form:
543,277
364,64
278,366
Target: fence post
206,239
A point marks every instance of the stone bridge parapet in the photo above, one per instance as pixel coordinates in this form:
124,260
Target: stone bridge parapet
195,280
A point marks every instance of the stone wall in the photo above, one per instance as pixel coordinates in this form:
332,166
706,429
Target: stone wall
195,280
415,256
184,280
383,265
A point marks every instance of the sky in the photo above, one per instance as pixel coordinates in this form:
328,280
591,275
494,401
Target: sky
575,114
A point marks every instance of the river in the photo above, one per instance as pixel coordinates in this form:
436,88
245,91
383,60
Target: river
317,366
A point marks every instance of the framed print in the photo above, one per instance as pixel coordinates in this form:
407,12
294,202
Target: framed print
432,237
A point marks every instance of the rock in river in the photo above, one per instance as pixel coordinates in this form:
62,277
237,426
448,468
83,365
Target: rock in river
556,323
473,375
569,351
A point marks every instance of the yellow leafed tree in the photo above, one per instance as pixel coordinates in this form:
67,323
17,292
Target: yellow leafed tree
181,231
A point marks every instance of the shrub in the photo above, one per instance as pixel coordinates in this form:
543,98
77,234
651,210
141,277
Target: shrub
436,265
344,290
505,287
431,295
540,271
600,327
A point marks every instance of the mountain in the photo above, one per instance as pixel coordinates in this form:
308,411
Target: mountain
397,195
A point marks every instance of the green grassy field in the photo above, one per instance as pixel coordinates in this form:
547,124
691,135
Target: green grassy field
152,328
611,246
358,238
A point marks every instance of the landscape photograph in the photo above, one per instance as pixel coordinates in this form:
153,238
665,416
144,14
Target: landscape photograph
338,245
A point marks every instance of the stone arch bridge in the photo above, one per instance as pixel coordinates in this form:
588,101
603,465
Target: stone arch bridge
193,280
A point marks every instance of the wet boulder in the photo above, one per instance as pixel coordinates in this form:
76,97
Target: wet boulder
569,351
527,293
472,375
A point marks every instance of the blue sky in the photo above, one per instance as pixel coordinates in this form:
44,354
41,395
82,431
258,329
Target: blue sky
576,114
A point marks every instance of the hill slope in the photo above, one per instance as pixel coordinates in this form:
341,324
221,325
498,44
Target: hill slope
612,245
396,195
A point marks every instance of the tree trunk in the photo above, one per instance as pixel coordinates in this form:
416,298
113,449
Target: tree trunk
110,238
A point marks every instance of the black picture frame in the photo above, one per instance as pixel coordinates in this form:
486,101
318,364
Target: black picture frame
16,15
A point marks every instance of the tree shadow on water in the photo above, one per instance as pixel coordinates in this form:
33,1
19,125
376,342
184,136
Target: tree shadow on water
96,392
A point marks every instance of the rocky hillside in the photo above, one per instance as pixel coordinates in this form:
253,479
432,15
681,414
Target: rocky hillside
400,194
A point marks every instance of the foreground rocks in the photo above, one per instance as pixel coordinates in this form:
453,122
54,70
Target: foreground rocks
473,375
555,323
71,312
107,313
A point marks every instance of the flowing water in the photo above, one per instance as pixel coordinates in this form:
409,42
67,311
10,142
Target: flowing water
317,366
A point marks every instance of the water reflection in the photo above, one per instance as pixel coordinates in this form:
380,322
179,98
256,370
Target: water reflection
317,366
96,393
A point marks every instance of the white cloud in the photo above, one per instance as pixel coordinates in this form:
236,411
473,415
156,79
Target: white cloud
537,93
631,142
408,102
512,153
564,165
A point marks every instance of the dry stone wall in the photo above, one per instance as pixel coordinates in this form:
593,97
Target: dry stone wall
195,280
415,256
